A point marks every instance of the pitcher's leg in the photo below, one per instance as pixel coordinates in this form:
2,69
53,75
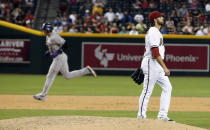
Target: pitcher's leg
150,77
165,96
145,96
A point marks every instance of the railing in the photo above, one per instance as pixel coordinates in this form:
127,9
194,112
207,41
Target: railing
36,13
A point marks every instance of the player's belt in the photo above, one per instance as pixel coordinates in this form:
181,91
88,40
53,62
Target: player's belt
56,53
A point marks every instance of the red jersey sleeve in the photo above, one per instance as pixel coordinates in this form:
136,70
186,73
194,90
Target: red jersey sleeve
155,52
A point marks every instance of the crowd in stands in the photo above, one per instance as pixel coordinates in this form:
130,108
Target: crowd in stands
115,16
131,16
20,12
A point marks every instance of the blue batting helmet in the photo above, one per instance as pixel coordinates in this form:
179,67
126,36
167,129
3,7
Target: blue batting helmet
47,27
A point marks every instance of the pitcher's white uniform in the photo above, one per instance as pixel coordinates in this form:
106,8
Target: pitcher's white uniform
154,73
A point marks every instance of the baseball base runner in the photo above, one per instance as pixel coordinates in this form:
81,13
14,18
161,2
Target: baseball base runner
59,64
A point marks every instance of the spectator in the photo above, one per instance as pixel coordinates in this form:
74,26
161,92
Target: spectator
57,21
28,24
196,27
29,16
144,5
175,18
133,31
188,17
63,5
137,5
208,31
152,4
87,14
17,12
87,17
73,17
206,27
163,30
200,32
73,29
58,28
65,28
110,15
173,31
127,18
98,7
66,21
139,17
123,30
187,29
202,18
29,3
88,31
169,24
194,4
81,30
207,7
183,11
104,27
106,31
114,28
141,27
130,25
119,15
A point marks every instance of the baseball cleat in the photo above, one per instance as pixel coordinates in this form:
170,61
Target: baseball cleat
92,71
166,119
39,97
141,117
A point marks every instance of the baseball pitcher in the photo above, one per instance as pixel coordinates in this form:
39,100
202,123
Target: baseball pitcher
59,64
154,69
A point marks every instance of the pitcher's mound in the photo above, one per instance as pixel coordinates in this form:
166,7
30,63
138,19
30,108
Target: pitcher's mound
89,123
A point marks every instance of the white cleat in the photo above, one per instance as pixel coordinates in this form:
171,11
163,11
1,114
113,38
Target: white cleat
92,71
141,117
39,97
166,119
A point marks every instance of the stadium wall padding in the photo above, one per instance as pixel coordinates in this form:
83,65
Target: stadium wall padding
39,63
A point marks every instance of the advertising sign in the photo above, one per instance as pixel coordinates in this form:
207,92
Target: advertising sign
14,50
128,56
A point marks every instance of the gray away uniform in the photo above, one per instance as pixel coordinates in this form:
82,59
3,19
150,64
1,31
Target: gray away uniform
59,64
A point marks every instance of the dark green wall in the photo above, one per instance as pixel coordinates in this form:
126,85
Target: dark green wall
36,52
40,63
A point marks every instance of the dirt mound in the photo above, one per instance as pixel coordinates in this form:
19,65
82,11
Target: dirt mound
89,123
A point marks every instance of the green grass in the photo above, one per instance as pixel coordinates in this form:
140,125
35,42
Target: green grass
103,85
190,118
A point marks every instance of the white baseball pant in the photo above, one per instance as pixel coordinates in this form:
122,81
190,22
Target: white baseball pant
154,73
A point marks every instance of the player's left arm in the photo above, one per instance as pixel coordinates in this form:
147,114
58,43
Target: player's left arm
156,54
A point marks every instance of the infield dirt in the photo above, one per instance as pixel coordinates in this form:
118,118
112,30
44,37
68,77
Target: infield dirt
61,102
54,102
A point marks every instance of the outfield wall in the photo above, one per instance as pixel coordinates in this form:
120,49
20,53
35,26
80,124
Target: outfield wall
22,51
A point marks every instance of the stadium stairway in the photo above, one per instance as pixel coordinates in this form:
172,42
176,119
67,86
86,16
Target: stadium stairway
45,12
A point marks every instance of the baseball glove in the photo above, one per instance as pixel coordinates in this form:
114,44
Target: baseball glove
138,76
